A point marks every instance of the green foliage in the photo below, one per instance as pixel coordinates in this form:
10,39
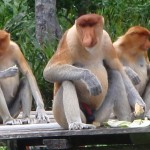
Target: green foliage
17,17
119,14
3,148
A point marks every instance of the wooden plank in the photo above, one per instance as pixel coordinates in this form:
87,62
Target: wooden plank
29,127
115,147
34,134
54,130
57,143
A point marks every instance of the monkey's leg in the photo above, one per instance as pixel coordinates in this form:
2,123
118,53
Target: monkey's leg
67,111
58,109
23,100
4,112
146,98
116,99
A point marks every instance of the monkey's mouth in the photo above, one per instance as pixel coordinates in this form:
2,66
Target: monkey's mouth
90,49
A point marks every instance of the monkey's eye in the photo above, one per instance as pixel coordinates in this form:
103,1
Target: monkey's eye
82,25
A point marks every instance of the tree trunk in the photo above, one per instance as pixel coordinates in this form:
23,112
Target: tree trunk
47,26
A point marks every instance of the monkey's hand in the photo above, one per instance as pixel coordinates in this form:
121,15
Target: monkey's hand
42,116
138,110
93,84
80,126
11,71
136,102
132,75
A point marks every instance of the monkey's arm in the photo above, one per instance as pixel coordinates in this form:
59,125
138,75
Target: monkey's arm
11,71
41,114
133,95
114,63
27,72
130,72
60,73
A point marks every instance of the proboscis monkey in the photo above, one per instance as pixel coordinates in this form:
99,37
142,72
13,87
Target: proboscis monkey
132,49
80,77
16,92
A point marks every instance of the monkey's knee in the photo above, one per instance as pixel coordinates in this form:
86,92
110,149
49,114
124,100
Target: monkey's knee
68,85
24,83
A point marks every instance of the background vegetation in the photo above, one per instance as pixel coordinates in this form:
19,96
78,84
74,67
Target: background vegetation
18,18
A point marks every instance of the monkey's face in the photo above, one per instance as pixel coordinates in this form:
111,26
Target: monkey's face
89,29
139,38
146,43
142,42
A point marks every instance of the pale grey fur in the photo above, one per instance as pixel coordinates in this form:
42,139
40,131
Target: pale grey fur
22,100
116,100
71,117
66,104
11,71
75,73
132,75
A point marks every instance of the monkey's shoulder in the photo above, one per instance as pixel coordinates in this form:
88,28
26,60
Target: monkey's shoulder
14,50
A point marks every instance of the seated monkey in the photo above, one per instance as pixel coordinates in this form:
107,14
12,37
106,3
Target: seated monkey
15,93
79,76
132,50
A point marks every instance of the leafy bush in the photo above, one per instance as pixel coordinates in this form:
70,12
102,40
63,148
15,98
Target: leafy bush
119,14
17,17
19,21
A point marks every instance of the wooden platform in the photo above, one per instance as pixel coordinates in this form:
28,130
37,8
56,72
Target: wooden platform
54,137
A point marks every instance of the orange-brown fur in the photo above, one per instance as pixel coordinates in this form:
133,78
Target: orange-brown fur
132,49
10,55
82,48
72,51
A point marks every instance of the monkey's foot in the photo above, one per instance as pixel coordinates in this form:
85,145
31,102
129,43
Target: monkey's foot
29,121
14,122
80,126
42,116
138,110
